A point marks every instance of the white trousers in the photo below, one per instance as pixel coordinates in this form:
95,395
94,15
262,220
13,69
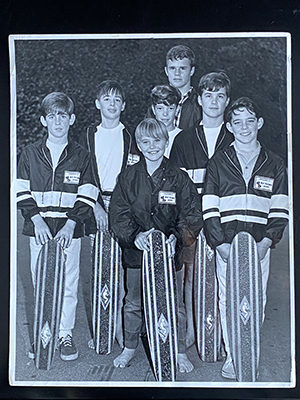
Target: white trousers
72,254
221,276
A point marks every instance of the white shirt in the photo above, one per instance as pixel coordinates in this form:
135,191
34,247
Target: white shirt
55,151
109,155
211,135
172,135
247,160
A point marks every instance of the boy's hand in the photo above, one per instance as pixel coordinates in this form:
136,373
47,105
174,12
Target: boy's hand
224,250
101,218
172,242
65,235
141,241
41,230
262,247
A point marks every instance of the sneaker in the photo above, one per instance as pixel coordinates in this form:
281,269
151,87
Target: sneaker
31,354
228,369
68,350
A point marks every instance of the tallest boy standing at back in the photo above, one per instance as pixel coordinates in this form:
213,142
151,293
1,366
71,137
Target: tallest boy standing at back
180,67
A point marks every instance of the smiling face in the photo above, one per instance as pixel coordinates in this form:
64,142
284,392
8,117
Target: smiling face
213,103
179,73
58,124
165,114
152,148
244,125
110,105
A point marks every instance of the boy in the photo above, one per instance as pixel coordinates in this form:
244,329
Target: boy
135,209
111,146
193,147
56,194
165,100
245,190
180,67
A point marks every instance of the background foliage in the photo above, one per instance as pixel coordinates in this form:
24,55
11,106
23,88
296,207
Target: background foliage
256,67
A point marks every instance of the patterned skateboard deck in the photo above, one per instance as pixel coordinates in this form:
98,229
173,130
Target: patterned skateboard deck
206,312
160,307
49,289
244,306
106,288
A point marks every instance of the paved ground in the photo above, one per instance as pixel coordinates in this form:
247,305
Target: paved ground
94,369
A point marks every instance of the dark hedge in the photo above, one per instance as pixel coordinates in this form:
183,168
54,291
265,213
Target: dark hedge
256,67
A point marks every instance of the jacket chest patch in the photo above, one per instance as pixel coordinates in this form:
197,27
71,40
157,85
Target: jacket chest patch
263,183
133,159
72,177
167,197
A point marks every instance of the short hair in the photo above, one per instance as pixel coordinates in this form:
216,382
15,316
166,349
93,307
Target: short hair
213,82
165,94
57,101
243,102
108,86
179,52
153,128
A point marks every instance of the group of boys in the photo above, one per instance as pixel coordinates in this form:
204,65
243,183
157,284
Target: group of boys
115,182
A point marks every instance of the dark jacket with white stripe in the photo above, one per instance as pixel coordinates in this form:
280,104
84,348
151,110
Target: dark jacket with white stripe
230,206
166,201
131,155
66,192
189,151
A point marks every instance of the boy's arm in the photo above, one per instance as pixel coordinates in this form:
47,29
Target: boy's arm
121,221
279,206
211,203
177,151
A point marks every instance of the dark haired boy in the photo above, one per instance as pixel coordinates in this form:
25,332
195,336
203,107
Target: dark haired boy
135,210
56,193
165,99
179,68
245,190
193,147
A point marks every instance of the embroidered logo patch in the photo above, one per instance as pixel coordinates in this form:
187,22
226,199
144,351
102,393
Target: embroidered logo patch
167,197
72,177
263,183
133,159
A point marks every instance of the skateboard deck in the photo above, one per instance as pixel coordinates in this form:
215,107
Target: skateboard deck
244,307
160,306
49,289
206,312
106,289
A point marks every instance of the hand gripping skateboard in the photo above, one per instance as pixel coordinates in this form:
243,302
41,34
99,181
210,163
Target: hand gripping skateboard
49,290
206,312
160,306
106,289
244,306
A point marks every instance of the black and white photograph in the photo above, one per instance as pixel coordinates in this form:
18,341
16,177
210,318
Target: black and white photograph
152,235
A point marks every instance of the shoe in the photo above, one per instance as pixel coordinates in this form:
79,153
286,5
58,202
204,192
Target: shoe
31,354
68,350
228,369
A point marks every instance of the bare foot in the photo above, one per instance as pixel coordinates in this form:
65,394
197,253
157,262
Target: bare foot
184,364
123,359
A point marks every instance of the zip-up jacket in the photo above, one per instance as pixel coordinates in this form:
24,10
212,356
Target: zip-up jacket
190,111
68,191
231,206
167,201
190,153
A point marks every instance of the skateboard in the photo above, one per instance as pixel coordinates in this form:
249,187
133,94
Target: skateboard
244,306
206,312
160,306
49,290
106,289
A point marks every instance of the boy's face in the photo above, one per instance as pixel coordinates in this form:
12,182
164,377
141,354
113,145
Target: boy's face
244,125
110,105
58,124
179,72
165,114
152,148
213,103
